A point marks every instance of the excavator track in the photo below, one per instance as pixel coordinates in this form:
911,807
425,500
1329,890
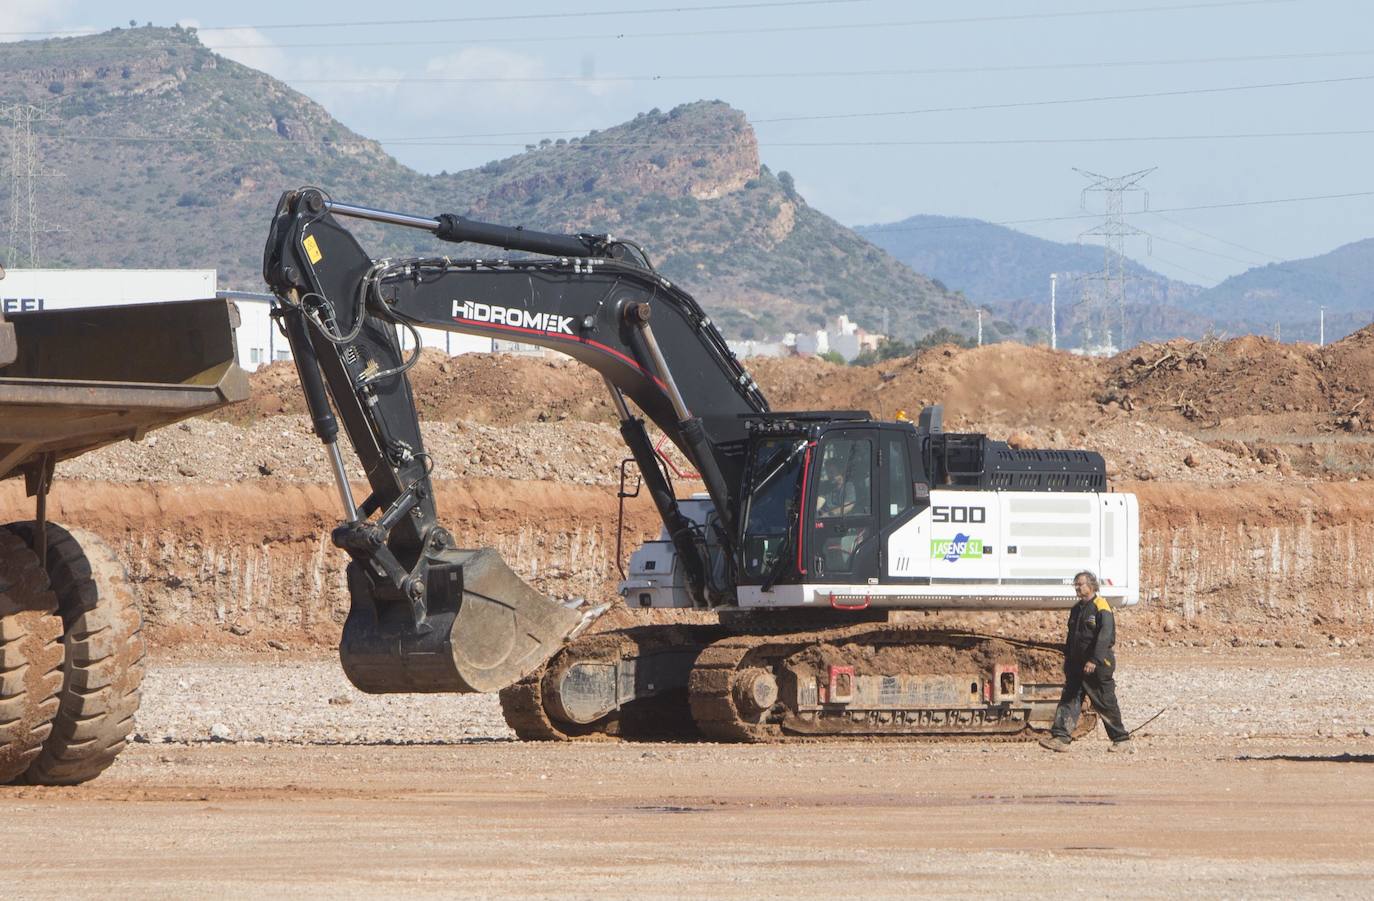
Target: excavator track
531,706
522,704
695,683
850,683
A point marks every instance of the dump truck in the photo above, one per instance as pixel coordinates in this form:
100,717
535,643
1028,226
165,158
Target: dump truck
815,527
71,644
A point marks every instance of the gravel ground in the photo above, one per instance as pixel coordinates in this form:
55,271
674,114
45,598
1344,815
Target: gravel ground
283,447
1222,692
426,796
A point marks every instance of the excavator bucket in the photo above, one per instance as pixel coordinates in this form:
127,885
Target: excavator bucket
486,630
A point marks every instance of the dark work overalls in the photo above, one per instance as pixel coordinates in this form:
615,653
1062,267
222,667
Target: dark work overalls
1092,633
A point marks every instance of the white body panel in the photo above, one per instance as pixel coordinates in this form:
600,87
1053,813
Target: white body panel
969,550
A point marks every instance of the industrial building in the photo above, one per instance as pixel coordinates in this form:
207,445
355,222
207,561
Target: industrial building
257,340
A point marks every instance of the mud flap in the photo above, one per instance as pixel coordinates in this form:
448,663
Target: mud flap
487,630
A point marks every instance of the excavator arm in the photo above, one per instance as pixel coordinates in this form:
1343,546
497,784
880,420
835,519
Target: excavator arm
425,615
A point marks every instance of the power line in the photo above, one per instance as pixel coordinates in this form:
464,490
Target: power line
535,17
1285,266
783,29
954,142
1202,275
1258,253
469,20
1064,101
842,73
455,141
1249,264
86,54
1176,209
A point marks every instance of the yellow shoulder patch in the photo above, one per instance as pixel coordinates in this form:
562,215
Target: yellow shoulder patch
1101,604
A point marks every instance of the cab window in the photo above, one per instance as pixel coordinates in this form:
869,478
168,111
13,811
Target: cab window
844,486
772,505
844,504
898,468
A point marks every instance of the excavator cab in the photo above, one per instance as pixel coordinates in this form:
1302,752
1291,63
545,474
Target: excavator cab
824,492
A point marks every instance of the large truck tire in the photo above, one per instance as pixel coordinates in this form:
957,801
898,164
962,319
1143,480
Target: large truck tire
103,672
30,657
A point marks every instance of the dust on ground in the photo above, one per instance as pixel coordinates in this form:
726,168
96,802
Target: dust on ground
1247,786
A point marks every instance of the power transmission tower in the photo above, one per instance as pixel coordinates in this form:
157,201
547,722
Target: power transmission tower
23,169
1110,294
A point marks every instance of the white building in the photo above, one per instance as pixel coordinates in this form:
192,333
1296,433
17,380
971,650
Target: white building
257,338
841,334
260,343
749,348
64,289
812,343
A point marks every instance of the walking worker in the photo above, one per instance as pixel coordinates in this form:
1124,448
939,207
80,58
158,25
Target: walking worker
1089,669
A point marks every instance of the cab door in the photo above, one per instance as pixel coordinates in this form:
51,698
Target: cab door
904,507
842,537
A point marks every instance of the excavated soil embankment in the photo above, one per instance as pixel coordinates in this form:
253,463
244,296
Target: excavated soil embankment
1243,453
248,564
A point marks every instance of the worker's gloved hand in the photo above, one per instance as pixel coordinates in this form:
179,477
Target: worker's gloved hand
1089,668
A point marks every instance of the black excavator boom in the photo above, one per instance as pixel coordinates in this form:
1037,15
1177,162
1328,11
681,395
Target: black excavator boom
426,615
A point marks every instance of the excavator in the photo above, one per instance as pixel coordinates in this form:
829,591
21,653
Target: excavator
816,532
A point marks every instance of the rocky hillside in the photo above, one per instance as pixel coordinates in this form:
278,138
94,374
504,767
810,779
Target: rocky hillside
174,156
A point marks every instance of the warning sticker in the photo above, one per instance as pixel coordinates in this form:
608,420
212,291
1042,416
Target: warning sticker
312,249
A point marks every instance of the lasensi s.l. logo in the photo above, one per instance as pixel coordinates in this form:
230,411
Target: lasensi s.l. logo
960,547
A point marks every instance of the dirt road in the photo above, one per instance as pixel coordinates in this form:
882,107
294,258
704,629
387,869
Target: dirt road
1258,782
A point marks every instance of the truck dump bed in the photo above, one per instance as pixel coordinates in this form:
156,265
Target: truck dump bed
84,378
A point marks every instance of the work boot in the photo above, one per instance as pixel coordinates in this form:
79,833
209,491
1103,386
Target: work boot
1055,743
1125,746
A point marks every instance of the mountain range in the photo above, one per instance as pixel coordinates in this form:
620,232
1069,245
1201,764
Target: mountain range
1007,272
174,156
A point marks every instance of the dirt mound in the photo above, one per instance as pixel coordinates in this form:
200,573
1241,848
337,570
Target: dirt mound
1188,385
1181,410
1191,383
1009,384
810,383
1347,369
282,448
498,389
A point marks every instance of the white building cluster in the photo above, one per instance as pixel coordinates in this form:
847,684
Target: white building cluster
257,338
840,335
259,342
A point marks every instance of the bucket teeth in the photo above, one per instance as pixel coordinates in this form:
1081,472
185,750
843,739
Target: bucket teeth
589,616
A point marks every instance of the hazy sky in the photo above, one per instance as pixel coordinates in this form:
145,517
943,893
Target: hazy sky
550,69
